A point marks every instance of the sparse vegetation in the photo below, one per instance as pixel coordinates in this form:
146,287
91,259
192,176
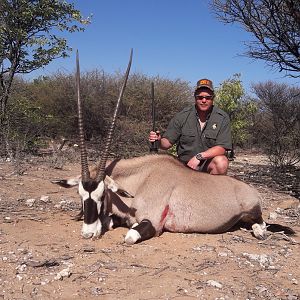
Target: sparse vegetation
45,109
231,97
277,123
274,26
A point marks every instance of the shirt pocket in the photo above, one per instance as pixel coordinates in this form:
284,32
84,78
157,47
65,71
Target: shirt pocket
211,138
188,138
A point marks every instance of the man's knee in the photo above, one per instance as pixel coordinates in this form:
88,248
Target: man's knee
218,165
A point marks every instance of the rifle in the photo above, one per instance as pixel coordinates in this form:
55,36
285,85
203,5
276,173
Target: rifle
154,145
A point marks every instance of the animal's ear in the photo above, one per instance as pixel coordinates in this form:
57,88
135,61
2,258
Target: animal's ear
115,187
67,183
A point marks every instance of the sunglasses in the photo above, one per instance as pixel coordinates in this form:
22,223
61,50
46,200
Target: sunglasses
206,97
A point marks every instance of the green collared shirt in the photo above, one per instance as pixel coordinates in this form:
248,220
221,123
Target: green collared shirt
184,130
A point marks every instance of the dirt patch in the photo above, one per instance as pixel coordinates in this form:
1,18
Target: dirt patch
43,256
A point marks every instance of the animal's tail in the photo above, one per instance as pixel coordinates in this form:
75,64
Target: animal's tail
277,228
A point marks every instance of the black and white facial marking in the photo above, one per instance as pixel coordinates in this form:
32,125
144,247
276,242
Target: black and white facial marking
91,193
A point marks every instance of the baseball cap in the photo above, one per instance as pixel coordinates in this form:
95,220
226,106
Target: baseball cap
204,83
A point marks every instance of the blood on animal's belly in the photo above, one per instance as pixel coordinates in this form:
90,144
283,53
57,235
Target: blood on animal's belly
164,215
167,216
170,222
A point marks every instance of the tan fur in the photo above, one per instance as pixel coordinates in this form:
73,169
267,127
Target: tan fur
192,201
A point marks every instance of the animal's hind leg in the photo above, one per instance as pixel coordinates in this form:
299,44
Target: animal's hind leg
254,218
143,231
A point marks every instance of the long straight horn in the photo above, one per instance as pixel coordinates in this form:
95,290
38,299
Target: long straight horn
101,166
85,174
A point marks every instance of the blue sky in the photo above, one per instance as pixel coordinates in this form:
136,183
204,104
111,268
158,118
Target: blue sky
170,38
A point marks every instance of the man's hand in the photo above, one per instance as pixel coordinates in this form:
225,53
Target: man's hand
193,163
154,136
163,143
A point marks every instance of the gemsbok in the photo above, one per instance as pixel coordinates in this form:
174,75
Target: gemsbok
156,193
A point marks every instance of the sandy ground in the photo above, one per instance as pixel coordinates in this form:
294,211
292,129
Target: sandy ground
42,255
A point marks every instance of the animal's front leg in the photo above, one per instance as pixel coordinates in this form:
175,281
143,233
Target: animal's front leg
142,231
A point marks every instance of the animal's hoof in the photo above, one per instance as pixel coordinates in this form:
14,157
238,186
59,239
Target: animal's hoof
87,235
259,231
132,237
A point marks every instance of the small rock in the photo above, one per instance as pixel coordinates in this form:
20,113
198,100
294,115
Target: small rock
97,291
21,268
45,199
204,248
263,259
63,273
261,289
30,202
46,281
214,284
294,281
88,249
273,216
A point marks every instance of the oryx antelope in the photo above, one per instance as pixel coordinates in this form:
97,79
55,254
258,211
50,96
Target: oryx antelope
163,194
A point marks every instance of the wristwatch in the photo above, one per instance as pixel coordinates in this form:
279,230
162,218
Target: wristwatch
199,156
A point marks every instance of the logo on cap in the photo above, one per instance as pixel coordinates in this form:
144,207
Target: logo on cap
205,83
